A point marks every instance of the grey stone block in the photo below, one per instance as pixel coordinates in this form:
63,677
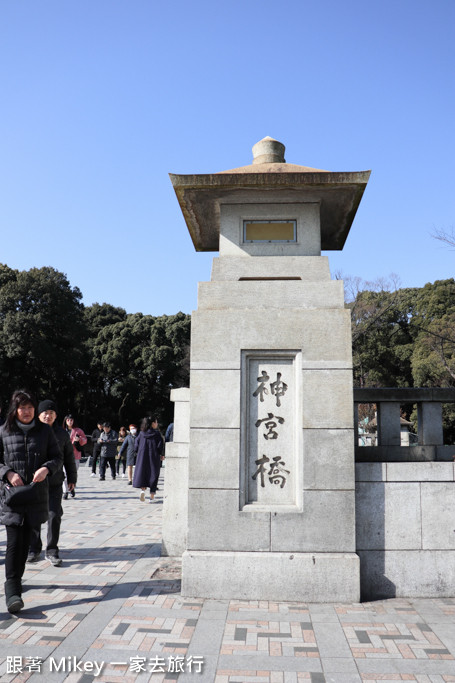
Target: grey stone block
328,459
218,336
322,577
215,399
438,515
217,524
307,268
420,471
308,229
388,515
214,461
176,450
175,507
371,471
406,573
325,525
429,421
327,399
270,295
181,399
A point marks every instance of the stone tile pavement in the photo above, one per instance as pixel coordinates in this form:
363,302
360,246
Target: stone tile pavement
113,611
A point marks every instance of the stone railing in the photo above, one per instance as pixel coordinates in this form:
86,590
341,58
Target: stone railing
430,445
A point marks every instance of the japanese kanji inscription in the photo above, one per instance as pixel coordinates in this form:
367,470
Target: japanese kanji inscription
270,388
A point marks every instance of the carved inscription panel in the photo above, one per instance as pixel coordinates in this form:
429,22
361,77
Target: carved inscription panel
270,425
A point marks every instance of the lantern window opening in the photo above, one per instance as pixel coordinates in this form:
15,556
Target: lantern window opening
269,231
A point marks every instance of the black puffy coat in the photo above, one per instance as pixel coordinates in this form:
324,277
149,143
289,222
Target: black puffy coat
25,453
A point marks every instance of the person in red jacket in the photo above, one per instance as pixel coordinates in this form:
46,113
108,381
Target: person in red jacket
78,439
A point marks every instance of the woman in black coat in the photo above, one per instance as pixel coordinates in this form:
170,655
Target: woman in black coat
29,452
149,447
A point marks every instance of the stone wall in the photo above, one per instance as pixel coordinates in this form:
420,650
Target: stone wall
405,529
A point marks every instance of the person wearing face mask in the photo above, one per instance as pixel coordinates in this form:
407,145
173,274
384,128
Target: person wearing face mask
128,446
29,453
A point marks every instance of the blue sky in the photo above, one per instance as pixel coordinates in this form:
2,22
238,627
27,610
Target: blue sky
101,99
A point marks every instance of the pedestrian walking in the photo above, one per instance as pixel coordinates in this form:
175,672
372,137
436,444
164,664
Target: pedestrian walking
128,448
47,413
29,454
96,446
108,441
121,457
149,447
78,439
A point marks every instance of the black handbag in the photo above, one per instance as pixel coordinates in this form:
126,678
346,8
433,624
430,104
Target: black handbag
21,495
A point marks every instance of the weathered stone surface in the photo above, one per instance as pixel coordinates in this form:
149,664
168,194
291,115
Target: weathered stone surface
420,471
306,268
389,428
327,399
306,214
438,515
327,459
268,295
214,461
215,399
218,337
429,421
175,503
388,516
217,523
332,577
370,471
325,525
181,398
406,573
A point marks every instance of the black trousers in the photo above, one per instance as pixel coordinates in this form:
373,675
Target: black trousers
121,462
95,456
103,464
53,524
17,543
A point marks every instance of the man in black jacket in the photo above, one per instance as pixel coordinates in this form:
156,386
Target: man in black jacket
47,413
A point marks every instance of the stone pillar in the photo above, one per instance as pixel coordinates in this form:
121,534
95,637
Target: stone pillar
175,502
389,428
271,509
429,424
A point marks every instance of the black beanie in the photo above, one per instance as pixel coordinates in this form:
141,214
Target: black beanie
46,405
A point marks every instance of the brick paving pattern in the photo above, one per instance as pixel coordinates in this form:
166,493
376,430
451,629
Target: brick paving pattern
114,607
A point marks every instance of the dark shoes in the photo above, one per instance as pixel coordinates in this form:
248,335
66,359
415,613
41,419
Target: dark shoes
102,479
54,559
73,493
130,483
33,557
65,495
14,602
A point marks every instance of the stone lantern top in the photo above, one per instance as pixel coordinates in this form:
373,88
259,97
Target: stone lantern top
269,179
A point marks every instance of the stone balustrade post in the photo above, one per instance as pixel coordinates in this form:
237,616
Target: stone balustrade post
429,424
389,430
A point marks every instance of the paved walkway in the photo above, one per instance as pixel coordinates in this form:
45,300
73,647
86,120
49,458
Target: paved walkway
115,605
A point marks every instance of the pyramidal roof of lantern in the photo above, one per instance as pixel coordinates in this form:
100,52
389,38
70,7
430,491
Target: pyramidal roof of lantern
269,179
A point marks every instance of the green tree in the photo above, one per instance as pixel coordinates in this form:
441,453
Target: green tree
42,333
381,339
140,359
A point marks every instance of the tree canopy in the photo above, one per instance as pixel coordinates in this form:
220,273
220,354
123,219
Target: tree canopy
405,338
97,361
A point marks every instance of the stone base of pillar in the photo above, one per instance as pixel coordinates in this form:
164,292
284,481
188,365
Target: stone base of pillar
301,577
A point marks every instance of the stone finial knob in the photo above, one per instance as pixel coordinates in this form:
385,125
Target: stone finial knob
268,151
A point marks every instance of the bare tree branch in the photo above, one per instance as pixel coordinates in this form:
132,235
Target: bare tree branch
445,236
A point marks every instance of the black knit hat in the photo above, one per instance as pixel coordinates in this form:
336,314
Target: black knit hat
47,405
